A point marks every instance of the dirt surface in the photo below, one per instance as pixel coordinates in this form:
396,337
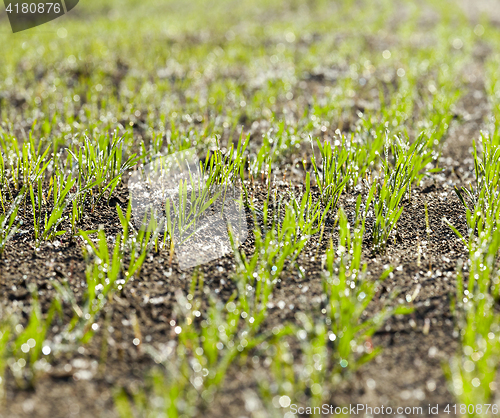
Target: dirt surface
408,372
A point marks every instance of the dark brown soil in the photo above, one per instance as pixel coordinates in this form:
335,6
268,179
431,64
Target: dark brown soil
408,372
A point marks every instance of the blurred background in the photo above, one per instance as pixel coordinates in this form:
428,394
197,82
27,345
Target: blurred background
209,67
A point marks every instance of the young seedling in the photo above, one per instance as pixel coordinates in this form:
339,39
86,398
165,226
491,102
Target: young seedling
336,170
472,371
8,224
100,165
26,345
409,161
481,203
